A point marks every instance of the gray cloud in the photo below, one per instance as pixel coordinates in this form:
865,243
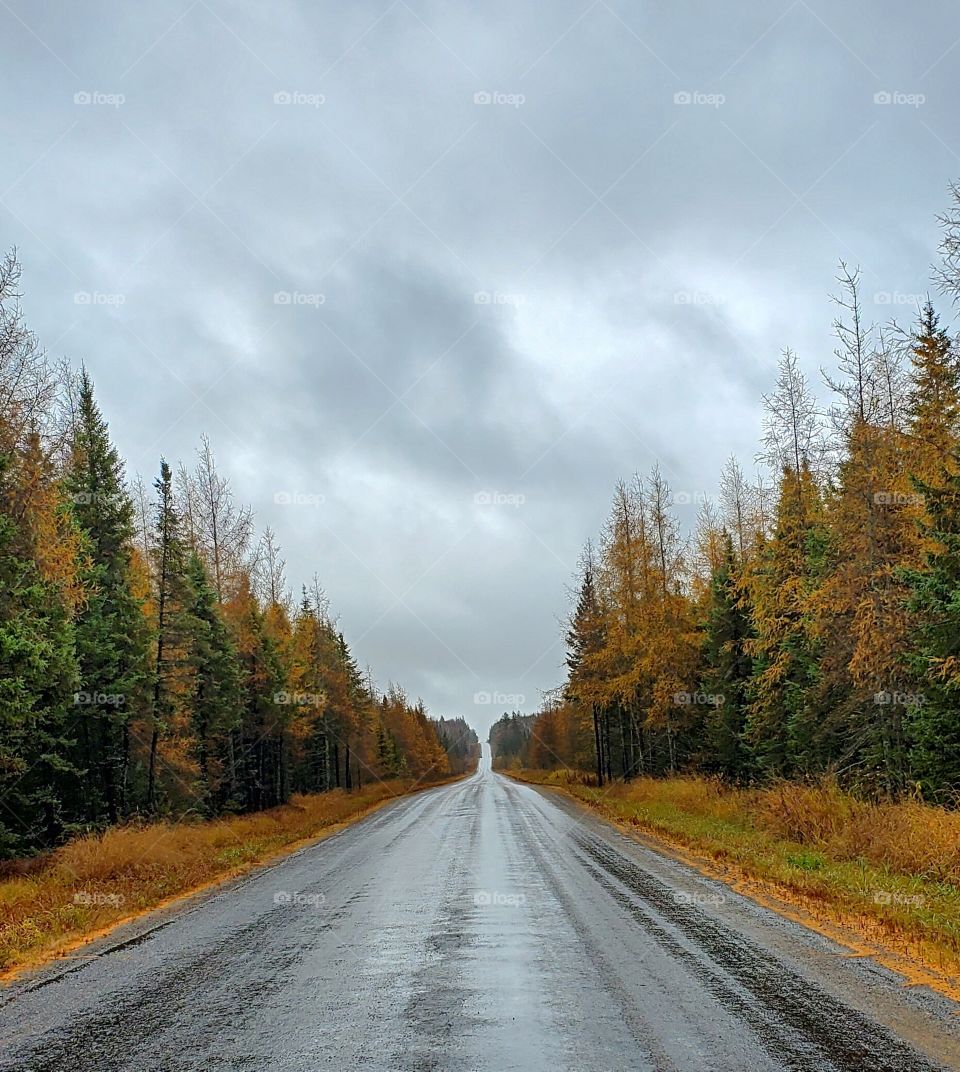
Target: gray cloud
527,249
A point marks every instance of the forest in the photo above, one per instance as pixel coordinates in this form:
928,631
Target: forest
809,626
152,660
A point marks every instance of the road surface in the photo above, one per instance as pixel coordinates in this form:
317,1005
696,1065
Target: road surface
479,926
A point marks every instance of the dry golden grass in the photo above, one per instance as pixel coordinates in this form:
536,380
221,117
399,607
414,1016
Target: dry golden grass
888,871
50,904
906,837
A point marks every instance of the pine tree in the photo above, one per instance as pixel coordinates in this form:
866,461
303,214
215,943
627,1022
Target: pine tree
933,401
781,724
933,713
110,631
260,746
171,598
727,670
214,696
38,676
586,638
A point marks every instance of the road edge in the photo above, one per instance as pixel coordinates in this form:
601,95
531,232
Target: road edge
836,926
40,971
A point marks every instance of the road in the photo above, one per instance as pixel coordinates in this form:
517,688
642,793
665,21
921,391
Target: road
484,925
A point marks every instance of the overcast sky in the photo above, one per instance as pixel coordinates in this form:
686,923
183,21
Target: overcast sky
433,276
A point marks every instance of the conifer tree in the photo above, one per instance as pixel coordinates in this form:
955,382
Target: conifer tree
110,631
933,712
780,724
170,626
38,676
214,697
727,670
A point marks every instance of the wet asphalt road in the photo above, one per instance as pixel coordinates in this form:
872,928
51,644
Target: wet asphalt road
480,926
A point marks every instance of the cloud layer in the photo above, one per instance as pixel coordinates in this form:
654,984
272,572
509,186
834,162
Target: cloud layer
438,275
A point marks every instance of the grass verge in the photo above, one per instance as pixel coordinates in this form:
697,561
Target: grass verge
885,874
51,905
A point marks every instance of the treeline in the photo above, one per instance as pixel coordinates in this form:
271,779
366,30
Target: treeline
151,659
811,623
510,743
461,744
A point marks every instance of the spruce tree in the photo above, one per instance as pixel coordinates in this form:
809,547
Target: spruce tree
933,714
727,668
933,401
784,577
171,597
38,678
110,630
214,686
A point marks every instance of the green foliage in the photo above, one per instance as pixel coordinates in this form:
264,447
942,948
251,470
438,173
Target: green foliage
726,670
110,633
933,718
38,677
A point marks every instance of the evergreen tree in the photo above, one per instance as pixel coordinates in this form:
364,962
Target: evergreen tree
933,400
586,637
781,725
171,629
727,670
110,634
215,687
260,762
38,676
933,714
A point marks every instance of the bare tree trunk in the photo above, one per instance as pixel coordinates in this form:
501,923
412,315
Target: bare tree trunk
598,747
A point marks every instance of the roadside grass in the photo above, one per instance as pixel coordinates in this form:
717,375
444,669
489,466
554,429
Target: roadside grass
888,871
51,904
